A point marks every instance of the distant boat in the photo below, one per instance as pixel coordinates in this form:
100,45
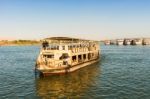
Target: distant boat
107,42
63,55
119,41
113,42
127,41
137,41
146,41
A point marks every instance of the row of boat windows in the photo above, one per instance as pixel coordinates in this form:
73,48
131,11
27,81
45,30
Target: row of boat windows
64,56
81,45
64,48
84,56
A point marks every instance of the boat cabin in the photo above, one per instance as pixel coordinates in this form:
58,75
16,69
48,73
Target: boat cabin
61,52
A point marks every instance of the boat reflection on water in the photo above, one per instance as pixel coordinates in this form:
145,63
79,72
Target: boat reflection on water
72,85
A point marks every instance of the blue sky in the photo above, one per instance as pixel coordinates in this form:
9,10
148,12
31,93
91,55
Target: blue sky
90,19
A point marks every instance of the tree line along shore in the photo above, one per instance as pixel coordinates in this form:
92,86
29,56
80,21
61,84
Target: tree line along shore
19,42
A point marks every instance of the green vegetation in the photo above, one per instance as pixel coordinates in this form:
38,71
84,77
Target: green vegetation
19,42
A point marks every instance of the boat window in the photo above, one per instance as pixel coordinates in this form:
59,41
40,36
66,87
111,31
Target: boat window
64,56
80,45
63,47
74,58
44,56
57,47
84,56
45,44
69,47
52,47
92,54
65,62
79,58
89,56
49,56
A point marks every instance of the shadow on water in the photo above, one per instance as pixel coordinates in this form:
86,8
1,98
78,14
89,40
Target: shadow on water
72,85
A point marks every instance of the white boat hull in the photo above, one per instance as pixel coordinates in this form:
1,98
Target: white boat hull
67,70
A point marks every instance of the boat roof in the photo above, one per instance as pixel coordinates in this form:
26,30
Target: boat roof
66,39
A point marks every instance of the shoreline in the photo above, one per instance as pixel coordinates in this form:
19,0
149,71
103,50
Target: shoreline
19,43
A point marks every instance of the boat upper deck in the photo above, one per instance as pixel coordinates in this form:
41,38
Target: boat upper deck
66,40
65,44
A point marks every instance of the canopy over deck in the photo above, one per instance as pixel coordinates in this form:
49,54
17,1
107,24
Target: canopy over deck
66,40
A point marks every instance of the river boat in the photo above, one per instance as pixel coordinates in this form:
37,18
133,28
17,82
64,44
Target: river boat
60,55
107,42
112,42
146,41
127,41
119,41
137,41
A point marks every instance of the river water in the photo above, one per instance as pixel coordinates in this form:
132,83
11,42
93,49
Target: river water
122,73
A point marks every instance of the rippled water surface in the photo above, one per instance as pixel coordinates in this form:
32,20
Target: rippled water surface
122,73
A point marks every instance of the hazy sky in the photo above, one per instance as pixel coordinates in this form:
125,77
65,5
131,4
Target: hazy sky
90,19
